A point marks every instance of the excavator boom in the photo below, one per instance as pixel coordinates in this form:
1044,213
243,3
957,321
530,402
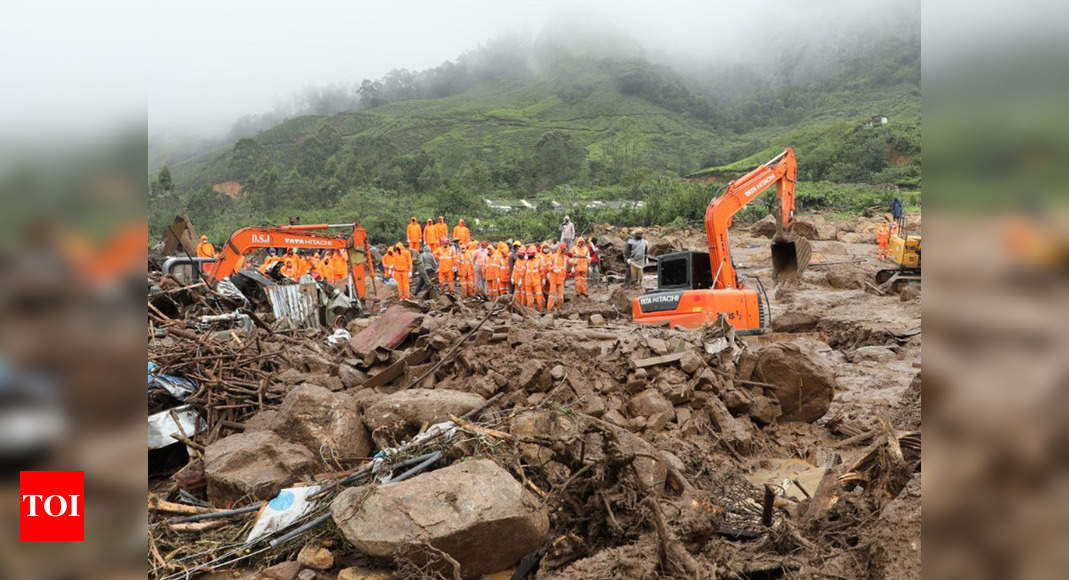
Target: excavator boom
688,295
251,238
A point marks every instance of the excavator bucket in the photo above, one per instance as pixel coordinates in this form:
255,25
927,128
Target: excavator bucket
790,257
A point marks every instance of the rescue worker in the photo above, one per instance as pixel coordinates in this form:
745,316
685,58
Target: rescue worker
402,265
567,231
430,265
443,230
447,257
534,277
291,265
414,233
491,271
580,264
479,258
360,259
339,268
388,264
595,262
519,268
465,270
635,251
271,260
883,234
462,233
205,249
557,265
513,255
430,235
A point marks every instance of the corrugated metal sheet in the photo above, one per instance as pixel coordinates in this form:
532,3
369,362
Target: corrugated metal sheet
297,303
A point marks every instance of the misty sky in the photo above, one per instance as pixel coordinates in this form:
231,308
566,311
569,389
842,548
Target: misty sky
199,65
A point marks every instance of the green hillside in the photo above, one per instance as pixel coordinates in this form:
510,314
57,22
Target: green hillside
575,131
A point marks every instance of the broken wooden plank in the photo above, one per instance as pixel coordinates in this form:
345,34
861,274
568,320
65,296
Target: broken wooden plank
641,363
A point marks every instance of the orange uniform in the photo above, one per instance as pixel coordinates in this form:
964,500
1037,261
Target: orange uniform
519,271
360,259
400,268
557,265
414,232
882,236
580,265
205,249
442,230
492,274
447,258
270,261
466,272
430,235
533,277
462,233
339,269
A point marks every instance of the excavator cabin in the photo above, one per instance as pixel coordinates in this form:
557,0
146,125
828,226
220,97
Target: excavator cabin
695,288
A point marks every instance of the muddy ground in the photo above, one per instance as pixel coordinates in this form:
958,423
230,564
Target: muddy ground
648,448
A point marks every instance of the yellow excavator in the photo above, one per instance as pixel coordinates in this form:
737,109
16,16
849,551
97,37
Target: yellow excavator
904,250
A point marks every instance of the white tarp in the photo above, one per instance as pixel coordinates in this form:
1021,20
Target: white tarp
161,425
283,511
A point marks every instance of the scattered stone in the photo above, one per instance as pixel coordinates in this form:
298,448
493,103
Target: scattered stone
350,376
550,424
795,321
320,419
597,320
765,410
532,376
265,420
307,575
650,402
845,276
363,574
315,557
556,373
404,413
873,353
284,571
460,510
805,383
691,362
257,464
734,432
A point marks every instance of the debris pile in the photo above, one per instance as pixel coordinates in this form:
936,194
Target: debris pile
576,444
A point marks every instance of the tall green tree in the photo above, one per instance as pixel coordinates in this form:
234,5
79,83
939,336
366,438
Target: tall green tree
163,178
557,159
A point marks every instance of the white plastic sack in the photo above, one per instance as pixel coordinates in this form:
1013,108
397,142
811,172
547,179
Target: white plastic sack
161,425
283,511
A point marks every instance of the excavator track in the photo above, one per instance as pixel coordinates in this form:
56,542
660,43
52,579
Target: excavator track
894,279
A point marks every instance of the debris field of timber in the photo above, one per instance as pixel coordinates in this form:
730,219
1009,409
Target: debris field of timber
465,438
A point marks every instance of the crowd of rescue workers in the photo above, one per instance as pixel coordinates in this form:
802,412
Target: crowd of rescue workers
534,273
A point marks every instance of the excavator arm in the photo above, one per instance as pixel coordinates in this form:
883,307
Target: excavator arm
780,171
251,238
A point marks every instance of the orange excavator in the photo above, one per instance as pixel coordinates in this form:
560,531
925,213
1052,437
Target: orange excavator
694,288
293,236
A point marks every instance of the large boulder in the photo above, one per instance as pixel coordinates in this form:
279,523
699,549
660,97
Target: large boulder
317,418
814,227
257,464
804,380
474,511
403,413
795,321
846,276
766,227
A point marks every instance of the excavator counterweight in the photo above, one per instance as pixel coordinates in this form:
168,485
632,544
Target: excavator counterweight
695,288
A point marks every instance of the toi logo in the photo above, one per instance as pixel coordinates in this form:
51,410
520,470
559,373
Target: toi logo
51,506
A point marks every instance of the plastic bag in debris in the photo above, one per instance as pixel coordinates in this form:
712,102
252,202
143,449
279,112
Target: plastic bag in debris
283,511
178,387
381,462
228,289
161,425
340,336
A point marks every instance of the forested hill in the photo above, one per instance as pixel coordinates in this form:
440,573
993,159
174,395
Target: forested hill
494,126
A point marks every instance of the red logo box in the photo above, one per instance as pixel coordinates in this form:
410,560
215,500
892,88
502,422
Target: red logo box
51,506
